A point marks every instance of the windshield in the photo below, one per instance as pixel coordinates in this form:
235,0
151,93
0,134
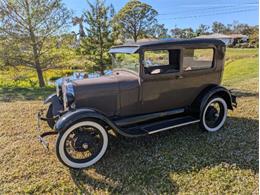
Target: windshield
126,61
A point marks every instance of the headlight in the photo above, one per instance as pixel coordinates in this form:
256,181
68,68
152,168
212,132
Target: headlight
68,96
58,84
58,90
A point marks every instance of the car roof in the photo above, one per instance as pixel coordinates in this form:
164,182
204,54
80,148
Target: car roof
134,47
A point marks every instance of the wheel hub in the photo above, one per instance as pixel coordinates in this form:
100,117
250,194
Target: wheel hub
212,113
81,144
85,146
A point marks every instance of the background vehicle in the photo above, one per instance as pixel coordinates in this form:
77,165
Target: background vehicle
155,86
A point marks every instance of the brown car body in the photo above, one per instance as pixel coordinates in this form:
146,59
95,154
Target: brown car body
125,93
154,98
127,97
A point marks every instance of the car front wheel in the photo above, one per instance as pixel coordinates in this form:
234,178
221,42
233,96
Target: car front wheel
214,114
82,144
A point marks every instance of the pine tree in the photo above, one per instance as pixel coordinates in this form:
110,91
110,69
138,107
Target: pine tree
99,34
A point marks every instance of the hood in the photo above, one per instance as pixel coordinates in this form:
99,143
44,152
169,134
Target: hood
103,93
105,83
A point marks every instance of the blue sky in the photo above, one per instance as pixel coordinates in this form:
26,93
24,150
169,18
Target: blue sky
188,13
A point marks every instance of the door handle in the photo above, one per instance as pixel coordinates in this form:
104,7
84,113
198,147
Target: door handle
179,77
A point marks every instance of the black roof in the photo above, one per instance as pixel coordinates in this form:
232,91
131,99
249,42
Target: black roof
162,42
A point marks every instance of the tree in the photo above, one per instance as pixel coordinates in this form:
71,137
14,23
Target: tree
218,27
136,19
100,35
185,33
79,21
159,31
202,29
240,28
254,36
28,27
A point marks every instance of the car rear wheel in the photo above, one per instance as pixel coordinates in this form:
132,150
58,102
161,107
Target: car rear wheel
214,114
82,144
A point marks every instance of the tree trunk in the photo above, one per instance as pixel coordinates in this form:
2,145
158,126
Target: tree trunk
34,48
40,75
135,38
102,67
38,66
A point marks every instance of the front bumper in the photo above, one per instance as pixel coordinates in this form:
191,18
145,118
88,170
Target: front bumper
41,137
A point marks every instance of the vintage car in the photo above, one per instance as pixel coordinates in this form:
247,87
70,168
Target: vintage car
154,86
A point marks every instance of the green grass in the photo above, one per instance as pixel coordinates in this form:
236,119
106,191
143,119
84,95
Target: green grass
240,70
181,161
240,53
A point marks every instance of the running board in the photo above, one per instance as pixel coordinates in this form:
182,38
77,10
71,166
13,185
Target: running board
174,126
161,125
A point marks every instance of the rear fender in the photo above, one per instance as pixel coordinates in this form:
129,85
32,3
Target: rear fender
75,116
206,94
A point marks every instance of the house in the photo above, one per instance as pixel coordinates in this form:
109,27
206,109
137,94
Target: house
231,39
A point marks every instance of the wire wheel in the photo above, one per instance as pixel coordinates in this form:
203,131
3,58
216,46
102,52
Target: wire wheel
214,114
82,145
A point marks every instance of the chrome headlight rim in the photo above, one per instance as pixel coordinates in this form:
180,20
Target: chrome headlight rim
58,90
68,95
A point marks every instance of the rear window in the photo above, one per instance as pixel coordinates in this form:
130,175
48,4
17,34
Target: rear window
197,59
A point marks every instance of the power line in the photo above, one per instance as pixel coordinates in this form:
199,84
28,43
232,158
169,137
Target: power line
211,14
213,2
202,9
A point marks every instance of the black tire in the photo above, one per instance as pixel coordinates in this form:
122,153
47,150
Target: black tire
49,115
69,160
213,119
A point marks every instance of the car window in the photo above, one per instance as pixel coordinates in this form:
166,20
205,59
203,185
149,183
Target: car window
161,61
126,61
197,59
156,58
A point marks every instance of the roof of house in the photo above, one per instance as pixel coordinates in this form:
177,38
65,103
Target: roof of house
221,36
134,47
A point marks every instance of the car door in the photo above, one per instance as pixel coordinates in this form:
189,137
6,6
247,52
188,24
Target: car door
199,69
162,84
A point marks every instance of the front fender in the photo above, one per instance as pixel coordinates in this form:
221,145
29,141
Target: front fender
57,106
73,116
50,98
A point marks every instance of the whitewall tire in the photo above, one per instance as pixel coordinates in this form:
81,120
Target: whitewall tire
82,140
210,113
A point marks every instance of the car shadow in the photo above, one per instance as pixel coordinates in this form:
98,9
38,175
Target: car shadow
243,93
145,164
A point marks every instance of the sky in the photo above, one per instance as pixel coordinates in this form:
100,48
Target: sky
188,13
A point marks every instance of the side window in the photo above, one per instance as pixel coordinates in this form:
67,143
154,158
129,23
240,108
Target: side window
197,59
161,61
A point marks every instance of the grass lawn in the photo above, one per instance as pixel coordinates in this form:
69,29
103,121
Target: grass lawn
185,160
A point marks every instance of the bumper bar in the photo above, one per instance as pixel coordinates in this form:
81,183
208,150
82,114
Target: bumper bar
43,135
43,141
